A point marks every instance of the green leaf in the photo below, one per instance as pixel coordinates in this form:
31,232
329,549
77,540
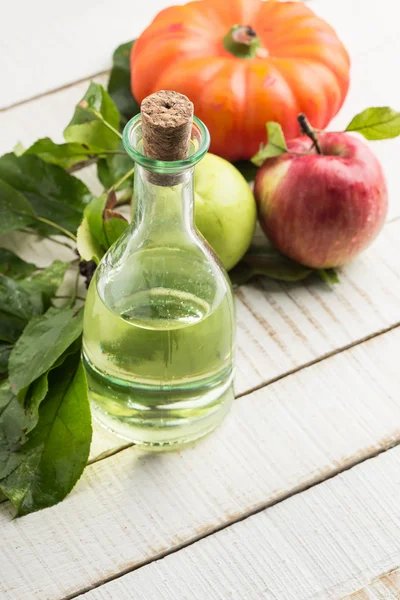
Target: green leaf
56,453
12,424
13,266
15,210
105,225
17,306
47,281
88,248
113,168
67,155
5,351
114,226
37,391
43,341
87,126
376,123
94,215
119,85
11,327
276,144
54,194
17,301
269,262
18,149
330,276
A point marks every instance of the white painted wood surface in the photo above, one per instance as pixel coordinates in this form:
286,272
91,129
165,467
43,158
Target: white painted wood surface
318,545
385,587
132,507
46,45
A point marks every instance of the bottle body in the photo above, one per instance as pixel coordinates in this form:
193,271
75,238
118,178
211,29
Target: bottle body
159,326
160,366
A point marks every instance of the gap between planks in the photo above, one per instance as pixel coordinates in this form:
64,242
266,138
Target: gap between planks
384,587
373,453
53,91
367,338
243,517
122,448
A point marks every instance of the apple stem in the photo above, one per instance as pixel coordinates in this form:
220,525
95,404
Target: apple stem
309,131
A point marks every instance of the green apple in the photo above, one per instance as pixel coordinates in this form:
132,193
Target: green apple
225,209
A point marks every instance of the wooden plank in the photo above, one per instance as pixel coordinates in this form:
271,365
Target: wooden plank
133,507
385,587
320,544
42,117
61,47
282,327
372,84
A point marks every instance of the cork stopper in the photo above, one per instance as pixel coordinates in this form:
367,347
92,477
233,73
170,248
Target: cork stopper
167,120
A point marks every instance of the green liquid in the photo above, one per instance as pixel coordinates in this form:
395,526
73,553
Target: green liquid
159,364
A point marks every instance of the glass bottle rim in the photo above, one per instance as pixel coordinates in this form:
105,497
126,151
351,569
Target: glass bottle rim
163,166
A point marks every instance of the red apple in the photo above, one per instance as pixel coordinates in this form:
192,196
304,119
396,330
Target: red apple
322,209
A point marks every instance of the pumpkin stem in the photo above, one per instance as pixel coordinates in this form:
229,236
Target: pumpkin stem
242,41
309,131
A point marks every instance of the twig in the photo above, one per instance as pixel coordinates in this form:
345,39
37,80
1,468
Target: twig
102,119
116,185
309,131
56,226
44,237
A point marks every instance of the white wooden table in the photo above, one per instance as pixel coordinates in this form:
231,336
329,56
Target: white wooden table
297,495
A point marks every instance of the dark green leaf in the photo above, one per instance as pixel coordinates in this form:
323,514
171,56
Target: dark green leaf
276,144
114,226
47,281
86,125
15,210
247,169
119,85
17,301
268,261
376,123
43,341
12,424
37,391
53,458
5,351
89,249
53,193
113,168
11,327
17,306
64,155
330,276
13,266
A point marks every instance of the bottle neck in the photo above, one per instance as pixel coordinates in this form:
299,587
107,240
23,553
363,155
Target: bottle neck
164,211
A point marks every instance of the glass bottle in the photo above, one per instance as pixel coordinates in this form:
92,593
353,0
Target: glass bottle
159,325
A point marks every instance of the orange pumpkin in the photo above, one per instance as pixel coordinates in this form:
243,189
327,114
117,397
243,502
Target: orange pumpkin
243,63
